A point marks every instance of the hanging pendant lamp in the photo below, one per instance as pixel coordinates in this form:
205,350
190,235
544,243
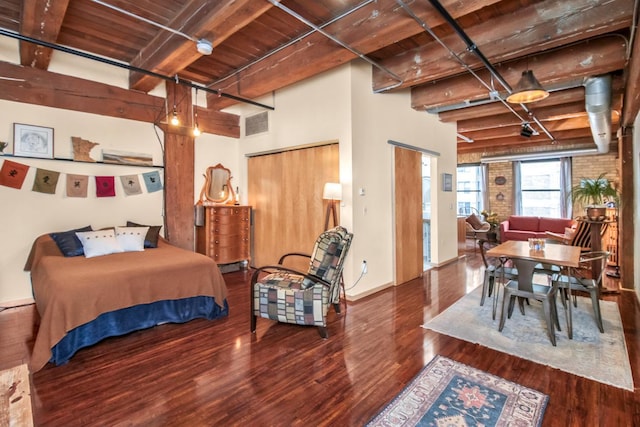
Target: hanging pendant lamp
527,90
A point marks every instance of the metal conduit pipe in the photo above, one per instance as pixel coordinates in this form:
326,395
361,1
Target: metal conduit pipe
128,67
300,18
472,47
294,41
597,91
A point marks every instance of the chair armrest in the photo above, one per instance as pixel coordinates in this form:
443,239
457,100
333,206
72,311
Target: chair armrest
282,258
485,227
275,268
557,237
504,226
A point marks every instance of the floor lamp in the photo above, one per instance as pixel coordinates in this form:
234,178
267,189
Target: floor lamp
333,193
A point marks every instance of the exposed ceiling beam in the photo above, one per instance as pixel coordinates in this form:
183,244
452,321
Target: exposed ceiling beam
41,19
534,29
169,54
315,53
603,55
34,86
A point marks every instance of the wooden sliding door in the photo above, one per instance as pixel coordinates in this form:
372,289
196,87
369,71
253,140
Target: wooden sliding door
408,215
285,190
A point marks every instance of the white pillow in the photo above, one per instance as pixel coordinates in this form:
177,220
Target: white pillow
131,239
97,243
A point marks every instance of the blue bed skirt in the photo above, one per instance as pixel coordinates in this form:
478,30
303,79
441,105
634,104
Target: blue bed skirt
126,320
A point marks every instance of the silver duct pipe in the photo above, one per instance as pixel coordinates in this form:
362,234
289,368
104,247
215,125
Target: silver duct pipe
597,91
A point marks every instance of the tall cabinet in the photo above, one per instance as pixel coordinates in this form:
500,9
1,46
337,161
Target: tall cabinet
226,234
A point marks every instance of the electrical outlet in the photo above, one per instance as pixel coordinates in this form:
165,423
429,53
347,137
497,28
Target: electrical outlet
364,267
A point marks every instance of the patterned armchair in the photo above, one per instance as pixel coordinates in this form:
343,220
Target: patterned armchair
290,296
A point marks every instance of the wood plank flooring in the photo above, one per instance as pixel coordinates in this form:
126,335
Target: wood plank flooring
206,373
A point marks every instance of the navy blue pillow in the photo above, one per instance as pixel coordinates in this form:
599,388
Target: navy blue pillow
68,242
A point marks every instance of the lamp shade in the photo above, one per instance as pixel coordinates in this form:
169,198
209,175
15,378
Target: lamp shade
527,90
332,191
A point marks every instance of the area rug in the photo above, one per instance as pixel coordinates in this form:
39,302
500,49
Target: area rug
15,398
598,356
448,393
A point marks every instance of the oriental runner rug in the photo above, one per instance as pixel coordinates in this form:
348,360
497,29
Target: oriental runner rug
602,357
15,397
448,393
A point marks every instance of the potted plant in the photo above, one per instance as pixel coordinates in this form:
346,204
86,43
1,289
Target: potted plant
593,194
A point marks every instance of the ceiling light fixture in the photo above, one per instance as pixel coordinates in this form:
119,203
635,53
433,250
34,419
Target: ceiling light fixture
526,130
527,90
204,47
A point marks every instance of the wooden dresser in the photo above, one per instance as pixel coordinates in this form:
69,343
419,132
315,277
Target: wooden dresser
226,233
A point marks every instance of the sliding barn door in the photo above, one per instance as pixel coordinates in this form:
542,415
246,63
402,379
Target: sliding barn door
285,190
408,214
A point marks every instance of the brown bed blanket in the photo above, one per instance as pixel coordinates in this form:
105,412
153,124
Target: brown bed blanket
71,291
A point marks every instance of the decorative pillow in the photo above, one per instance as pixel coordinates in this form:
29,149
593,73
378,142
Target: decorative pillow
131,239
151,239
97,243
68,242
474,221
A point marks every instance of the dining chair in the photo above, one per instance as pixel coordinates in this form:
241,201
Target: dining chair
493,268
583,281
524,287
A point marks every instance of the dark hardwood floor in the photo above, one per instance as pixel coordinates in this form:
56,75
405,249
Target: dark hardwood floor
206,373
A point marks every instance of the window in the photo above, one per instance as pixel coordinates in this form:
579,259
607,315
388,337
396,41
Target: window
541,189
469,186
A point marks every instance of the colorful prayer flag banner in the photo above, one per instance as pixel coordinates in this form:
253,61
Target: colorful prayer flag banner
77,185
46,181
152,181
131,184
105,186
12,174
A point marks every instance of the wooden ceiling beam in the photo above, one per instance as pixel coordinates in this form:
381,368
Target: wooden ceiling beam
509,147
169,53
42,20
595,57
561,138
534,29
72,93
316,53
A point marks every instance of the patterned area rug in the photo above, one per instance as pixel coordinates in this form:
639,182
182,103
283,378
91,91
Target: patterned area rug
598,356
15,398
448,393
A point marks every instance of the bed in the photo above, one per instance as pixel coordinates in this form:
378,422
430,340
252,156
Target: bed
84,300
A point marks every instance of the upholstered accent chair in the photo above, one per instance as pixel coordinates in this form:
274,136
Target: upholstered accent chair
476,228
580,236
290,296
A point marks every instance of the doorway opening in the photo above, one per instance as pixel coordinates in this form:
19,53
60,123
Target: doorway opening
426,211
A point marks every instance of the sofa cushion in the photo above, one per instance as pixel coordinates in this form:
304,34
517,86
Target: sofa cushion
555,225
519,235
524,223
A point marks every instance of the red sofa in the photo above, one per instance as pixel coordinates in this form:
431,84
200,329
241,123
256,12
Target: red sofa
524,227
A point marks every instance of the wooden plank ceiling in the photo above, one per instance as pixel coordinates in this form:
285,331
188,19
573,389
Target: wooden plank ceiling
261,45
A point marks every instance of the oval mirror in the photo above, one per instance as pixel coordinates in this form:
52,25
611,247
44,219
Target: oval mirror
217,185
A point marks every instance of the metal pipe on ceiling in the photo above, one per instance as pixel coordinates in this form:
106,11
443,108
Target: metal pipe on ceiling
472,47
291,42
128,67
294,14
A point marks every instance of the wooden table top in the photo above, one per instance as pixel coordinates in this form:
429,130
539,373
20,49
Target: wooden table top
556,254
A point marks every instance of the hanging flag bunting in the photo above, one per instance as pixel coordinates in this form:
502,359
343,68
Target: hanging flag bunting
13,174
105,186
46,181
77,185
152,181
131,184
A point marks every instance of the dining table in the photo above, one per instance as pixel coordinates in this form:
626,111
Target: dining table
565,257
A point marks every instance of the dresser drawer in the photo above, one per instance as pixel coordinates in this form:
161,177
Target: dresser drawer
226,235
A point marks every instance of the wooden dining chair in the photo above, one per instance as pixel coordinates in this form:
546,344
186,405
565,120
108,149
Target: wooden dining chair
524,287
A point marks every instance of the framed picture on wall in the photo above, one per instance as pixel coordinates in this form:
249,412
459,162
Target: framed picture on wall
32,141
447,182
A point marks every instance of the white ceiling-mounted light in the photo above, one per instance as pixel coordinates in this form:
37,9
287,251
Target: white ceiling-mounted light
204,47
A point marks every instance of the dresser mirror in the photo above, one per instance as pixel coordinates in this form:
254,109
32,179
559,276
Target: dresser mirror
217,186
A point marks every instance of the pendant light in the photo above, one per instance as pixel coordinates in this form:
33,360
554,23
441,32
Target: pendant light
196,129
527,90
175,120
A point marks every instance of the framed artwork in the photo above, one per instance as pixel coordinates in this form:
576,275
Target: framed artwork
32,141
447,182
